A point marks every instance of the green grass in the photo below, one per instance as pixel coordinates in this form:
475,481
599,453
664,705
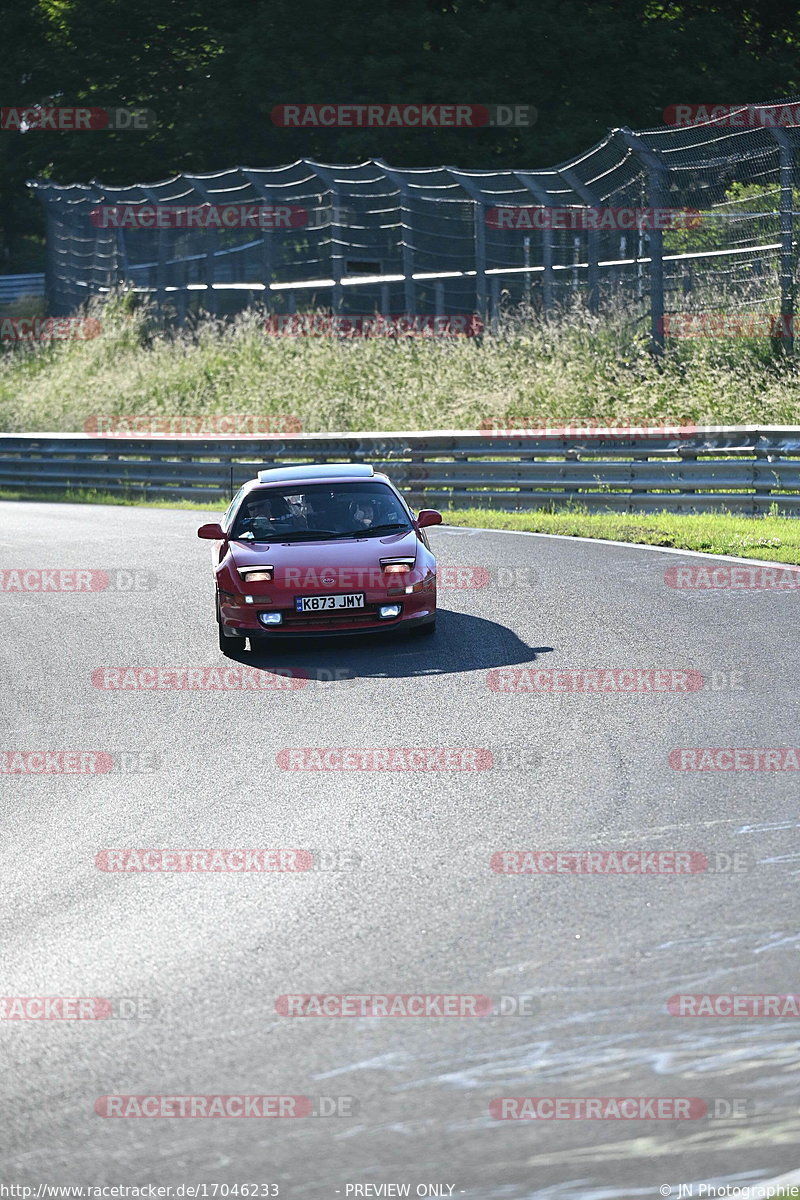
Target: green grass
772,538
570,368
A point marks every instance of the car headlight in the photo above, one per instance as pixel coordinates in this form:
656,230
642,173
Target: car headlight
397,566
257,574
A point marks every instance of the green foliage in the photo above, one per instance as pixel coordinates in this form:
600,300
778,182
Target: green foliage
213,72
575,367
719,227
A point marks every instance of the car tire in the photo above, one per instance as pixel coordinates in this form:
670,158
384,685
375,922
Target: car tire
427,629
228,644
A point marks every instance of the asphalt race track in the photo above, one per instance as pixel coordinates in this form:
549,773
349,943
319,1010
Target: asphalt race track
413,906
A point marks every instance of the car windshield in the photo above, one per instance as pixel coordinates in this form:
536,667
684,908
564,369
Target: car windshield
323,511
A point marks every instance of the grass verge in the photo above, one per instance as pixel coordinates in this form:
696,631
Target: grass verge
571,368
772,538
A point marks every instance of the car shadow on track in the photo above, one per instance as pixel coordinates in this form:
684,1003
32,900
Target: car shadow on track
461,643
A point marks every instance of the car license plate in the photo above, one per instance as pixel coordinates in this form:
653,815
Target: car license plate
328,603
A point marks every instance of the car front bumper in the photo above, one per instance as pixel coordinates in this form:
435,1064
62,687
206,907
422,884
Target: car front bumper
241,619
275,632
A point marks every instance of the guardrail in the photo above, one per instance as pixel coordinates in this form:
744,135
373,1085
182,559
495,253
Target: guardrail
742,469
14,287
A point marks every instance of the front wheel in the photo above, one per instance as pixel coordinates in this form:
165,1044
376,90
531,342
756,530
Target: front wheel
229,644
427,629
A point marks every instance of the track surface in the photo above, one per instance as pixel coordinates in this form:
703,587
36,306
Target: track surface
423,912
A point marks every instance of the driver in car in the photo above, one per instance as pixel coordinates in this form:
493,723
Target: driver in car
364,514
376,510
273,514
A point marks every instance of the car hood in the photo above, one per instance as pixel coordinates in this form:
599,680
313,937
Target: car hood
350,552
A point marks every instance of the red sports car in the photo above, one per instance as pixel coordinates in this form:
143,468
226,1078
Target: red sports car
321,550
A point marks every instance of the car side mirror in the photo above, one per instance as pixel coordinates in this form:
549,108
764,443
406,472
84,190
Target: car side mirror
428,516
212,532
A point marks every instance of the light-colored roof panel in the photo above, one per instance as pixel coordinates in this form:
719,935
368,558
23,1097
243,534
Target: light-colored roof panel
312,471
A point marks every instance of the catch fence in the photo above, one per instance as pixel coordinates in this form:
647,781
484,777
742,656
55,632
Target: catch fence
372,238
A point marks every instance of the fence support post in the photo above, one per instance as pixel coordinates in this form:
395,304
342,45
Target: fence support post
479,226
786,159
480,261
592,237
337,255
212,244
161,256
657,174
545,199
406,234
266,237
438,292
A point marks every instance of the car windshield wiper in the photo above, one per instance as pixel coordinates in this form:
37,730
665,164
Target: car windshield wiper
275,535
387,528
296,535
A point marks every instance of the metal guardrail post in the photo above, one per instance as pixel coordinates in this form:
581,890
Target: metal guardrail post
786,160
